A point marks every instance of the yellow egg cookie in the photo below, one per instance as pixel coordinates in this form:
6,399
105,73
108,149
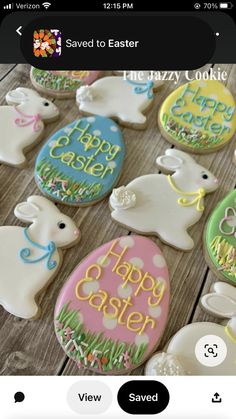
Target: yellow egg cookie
199,116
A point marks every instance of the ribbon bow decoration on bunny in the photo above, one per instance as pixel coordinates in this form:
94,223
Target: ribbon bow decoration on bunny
143,87
25,120
229,220
184,202
25,253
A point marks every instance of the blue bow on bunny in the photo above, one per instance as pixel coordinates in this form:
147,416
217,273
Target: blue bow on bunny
25,253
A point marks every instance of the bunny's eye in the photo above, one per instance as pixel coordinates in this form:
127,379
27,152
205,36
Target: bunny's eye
61,225
205,176
46,103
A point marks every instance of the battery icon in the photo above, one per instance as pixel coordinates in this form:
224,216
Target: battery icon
226,5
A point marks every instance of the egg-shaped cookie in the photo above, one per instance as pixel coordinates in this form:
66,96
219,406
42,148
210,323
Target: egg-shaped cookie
61,84
112,311
220,239
80,163
198,116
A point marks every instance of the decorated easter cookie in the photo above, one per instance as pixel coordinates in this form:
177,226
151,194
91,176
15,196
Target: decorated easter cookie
22,124
30,256
181,356
124,100
61,84
112,311
199,116
81,163
220,239
165,205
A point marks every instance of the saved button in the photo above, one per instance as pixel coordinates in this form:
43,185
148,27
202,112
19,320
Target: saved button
143,397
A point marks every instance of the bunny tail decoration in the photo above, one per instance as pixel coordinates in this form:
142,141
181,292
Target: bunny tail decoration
180,357
123,99
22,123
30,257
165,205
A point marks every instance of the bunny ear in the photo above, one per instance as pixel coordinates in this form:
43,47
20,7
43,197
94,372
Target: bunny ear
20,95
26,211
219,305
222,288
170,163
174,152
15,97
42,203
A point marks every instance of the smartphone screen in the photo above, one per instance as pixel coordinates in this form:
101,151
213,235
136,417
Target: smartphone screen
117,210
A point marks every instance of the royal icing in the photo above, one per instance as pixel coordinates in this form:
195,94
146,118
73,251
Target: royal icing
64,82
220,238
123,99
81,162
165,205
199,116
22,124
180,357
30,257
164,364
124,285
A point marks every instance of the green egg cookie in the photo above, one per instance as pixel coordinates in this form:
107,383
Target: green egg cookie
220,239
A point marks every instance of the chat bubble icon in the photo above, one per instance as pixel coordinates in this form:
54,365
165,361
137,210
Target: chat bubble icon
19,397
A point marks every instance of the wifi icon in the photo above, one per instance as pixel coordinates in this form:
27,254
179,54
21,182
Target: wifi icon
46,5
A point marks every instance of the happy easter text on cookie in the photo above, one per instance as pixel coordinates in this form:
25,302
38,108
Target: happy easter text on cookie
210,105
90,142
115,307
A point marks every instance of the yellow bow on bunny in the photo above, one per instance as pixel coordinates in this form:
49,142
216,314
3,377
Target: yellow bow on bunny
184,202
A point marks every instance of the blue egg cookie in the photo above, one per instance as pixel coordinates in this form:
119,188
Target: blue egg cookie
80,164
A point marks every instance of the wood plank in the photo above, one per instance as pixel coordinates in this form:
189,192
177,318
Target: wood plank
5,70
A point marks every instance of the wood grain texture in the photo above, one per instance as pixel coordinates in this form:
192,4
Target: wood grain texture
30,347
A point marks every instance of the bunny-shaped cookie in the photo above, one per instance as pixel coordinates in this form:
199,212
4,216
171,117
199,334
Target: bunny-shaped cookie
30,257
162,204
180,358
22,123
123,99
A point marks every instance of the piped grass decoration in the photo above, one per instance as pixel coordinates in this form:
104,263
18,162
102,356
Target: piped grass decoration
225,254
64,187
55,81
188,136
94,350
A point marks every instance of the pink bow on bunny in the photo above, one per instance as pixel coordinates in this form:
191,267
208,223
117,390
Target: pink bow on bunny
26,120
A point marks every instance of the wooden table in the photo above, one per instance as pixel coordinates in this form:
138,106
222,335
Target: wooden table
31,347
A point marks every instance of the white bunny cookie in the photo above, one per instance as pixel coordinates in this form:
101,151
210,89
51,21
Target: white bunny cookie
180,358
30,257
165,205
22,123
125,100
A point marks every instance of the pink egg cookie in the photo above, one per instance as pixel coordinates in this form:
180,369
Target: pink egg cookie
112,311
